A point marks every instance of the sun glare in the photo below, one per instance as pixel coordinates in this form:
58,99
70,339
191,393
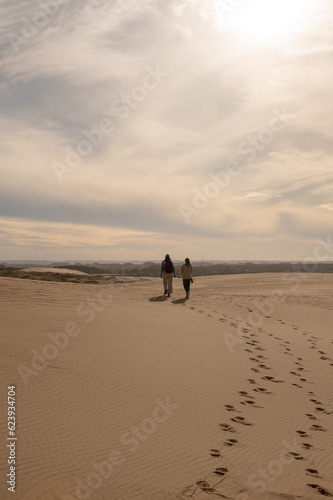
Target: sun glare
265,20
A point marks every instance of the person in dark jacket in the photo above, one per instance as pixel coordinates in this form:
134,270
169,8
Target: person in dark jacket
167,274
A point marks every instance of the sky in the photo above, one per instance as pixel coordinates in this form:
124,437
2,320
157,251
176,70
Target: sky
199,128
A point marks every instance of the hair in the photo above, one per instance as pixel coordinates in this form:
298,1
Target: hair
187,261
167,257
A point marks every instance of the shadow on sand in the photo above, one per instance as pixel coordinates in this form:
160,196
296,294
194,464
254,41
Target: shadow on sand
179,301
160,298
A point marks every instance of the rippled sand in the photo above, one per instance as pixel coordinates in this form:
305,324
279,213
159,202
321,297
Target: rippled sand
124,394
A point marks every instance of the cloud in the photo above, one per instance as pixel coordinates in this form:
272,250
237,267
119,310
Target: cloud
64,79
327,206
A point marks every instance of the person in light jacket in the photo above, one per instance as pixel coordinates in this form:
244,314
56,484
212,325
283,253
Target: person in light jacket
187,270
167,274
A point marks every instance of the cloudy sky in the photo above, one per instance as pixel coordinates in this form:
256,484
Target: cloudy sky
131,128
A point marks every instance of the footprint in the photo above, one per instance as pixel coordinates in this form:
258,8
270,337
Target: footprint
241,420
247,402
272,379
230,442
227,428
320,490
302,433
323,410
221,471
307,446
311,417
313,472
251,381
315,427
215,453
296,456
245,394
230,408
262,390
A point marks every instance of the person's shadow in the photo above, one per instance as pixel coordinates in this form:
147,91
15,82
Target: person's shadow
179,301
160,298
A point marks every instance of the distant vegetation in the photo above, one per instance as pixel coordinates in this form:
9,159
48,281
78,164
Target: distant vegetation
152,269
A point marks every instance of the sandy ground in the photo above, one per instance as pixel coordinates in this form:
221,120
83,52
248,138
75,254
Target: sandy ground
124,394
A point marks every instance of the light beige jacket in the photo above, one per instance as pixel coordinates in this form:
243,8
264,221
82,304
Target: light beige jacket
187,271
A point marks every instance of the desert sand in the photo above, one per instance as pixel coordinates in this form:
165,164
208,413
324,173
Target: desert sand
52,270
122,393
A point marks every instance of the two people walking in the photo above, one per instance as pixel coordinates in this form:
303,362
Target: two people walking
168,273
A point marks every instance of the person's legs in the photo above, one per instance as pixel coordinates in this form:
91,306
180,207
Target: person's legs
170,276
165,282
186,283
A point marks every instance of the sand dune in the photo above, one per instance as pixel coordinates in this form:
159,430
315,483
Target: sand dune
52,270
124,394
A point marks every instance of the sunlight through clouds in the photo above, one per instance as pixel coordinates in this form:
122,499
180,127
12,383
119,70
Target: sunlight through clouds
266,22
139,104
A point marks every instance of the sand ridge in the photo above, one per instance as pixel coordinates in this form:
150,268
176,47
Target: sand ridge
52,270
